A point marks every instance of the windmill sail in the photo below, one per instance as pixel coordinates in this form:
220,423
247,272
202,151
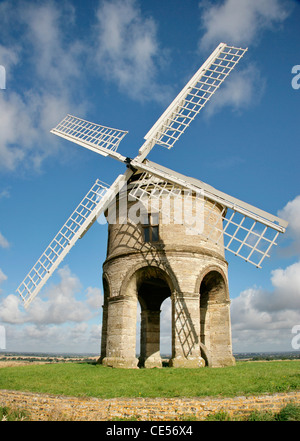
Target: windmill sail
193,97
246,231
100,139
92,205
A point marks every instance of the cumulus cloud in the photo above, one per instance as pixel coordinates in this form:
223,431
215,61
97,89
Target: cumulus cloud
265,318
45,78
41,67
58,304
56,58
260,316
77,338
60,319
9,58
240,22
127,50
241,90
62,305
10,310
94,297
291,213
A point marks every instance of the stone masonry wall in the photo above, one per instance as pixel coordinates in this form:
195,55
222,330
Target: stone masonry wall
50,407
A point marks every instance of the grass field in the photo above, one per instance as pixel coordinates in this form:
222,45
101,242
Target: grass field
91,380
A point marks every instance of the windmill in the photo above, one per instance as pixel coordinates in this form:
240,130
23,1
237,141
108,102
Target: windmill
240,228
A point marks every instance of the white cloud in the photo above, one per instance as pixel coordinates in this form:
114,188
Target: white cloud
3,241
60,319
10,310
46,79
61,306
58,304
241,90
264,319
55,56
17,133
47,64
77,338
240,22
95,335
94,297
291,213
127,49
8,58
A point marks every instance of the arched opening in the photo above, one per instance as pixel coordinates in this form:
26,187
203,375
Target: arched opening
152,290
165,345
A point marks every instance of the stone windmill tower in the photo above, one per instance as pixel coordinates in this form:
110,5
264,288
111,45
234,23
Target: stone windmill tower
167,238
150,257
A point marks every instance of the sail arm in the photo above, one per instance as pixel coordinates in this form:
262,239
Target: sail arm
193,97
241,230
93,204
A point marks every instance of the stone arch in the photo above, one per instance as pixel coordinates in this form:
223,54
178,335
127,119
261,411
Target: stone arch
206,272
140,270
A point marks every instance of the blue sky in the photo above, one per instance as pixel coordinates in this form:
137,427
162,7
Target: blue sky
119,64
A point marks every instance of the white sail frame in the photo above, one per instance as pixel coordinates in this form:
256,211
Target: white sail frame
192,98
100,139
92,205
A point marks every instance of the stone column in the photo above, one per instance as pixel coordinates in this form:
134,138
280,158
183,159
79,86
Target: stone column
150,339
219,341
104,332
186,331
121,333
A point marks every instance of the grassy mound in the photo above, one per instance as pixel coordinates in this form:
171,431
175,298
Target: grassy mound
91,380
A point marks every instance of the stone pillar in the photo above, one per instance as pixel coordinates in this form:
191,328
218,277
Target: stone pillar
121,333
150,339
219,341
186,331
104,332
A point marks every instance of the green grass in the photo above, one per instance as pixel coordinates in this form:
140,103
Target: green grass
85,379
